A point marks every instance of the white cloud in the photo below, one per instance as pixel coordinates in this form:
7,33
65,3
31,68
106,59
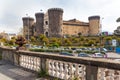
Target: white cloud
12,11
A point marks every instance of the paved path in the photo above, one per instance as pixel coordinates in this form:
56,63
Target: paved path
10,72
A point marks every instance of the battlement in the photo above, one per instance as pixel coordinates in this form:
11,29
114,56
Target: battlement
93,17
39,14
55,9
28,18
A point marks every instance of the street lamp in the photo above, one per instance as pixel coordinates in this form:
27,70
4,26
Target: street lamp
100,33
28,27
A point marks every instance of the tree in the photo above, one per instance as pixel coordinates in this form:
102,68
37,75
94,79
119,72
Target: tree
117,31
118,19
20,41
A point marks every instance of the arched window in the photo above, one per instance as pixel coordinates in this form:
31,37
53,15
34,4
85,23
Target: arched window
46,22
46,33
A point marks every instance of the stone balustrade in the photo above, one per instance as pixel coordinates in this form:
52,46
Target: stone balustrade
64,67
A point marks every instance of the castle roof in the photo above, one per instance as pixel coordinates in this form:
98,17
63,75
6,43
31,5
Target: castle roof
75,22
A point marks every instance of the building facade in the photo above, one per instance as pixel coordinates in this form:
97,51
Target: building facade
52,24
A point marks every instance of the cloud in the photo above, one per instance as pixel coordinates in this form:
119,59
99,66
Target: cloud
12,11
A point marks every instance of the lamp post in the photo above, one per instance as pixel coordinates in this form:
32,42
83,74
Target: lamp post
28,28
100,33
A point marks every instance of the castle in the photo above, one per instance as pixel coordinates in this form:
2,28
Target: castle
52,24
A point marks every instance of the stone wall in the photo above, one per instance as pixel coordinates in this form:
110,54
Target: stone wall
75,29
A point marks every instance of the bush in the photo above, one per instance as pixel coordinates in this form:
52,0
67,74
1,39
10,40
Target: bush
45,50
42,73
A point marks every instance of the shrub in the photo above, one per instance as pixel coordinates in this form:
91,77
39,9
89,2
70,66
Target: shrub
42,73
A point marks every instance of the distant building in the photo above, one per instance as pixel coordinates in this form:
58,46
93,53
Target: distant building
10,35
52,25
105,33
7,36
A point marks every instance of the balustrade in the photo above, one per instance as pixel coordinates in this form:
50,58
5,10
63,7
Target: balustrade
65,67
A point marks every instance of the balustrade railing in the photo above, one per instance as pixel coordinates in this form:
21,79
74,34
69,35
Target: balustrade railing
65,67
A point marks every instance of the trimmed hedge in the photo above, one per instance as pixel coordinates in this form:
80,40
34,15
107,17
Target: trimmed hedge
50,50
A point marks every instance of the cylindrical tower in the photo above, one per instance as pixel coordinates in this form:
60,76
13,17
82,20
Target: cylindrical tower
94,25
28,27
55,17
39,23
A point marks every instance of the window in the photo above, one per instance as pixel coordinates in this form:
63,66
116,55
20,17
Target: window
46,22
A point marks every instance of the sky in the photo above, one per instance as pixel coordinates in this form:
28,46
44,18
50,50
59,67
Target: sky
12,11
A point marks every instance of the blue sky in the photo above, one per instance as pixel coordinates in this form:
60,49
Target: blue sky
12,11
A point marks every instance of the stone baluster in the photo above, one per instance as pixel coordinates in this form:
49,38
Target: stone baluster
35,65
110,74
25,58
83,72
26,61
101,74
57,69
117,75
76,71
61,70
71,71
66,71
23,61
49,67
38,64
32,62
53,68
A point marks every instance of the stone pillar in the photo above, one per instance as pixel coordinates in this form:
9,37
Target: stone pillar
17,59
91,72
44,65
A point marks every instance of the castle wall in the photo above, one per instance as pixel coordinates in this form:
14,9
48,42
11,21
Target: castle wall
46,25
74,30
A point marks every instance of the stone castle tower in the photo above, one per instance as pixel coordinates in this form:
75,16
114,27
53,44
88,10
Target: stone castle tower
55,22
94,25
52,24
39,27
28,23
